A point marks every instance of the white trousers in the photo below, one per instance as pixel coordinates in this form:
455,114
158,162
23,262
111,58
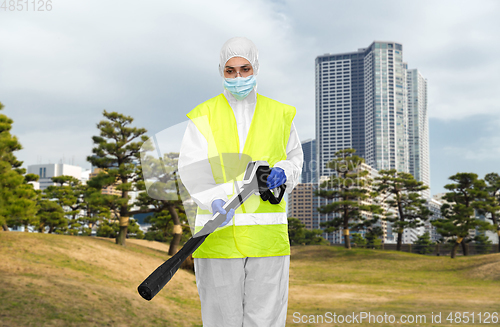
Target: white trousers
243,292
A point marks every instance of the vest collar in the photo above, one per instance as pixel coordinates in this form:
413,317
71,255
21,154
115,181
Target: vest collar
251,99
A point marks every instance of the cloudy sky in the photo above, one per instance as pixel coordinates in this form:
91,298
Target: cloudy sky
156,60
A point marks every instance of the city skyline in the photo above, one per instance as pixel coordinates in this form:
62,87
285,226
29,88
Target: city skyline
370,101
61,69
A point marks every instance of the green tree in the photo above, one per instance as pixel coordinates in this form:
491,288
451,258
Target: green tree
95,209
51,214
296,231
483,244
116,151
134,230
491,204
105,208
8,179
108,228
299,235
23,207
358,240
347,188
162,228
373,237
423,244
163,197
458,211
17,197
313,237
118,155
401,193
69,195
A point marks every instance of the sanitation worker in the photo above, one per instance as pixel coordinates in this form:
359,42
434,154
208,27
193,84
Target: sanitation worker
242,269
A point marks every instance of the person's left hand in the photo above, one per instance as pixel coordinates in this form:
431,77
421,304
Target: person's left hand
276,178
217,206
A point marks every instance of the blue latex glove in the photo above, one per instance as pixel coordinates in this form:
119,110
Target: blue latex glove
276,178
217,206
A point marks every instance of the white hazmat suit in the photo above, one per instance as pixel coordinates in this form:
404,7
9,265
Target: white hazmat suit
251,291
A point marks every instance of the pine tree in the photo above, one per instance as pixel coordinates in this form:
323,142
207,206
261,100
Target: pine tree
23,208
459,210
95,210
401,193
358,240
483,244
296,231
299,235
116,151
104,208
162,227
423,244
17,197
373,235
164,196
68,194
491,204
347,189
51,214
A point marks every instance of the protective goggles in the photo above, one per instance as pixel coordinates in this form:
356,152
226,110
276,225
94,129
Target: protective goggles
234,71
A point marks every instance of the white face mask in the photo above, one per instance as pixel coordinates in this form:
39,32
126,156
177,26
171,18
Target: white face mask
240,87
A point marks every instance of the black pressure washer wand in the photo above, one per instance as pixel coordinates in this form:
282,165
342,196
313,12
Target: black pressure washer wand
254,181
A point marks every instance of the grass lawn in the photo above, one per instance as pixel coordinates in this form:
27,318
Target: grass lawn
332,279
54,280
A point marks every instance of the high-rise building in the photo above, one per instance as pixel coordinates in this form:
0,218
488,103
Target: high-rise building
362,102
309,168
300,204
418,128
368,100
434,205
341,118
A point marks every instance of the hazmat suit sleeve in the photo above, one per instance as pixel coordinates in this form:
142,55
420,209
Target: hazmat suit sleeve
294,160
195,170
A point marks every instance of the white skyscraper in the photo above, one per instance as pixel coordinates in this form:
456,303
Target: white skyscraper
366,100
418,128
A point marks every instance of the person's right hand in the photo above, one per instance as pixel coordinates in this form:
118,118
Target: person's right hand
276,178
217,206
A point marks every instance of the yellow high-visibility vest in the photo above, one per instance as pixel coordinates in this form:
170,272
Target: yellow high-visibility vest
258,228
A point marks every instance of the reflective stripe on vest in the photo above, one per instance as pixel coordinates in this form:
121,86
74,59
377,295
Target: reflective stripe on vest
259,228
267,218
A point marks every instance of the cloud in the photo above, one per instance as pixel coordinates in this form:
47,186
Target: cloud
58,146
155,65
155,61
482,149
450,42
470,144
